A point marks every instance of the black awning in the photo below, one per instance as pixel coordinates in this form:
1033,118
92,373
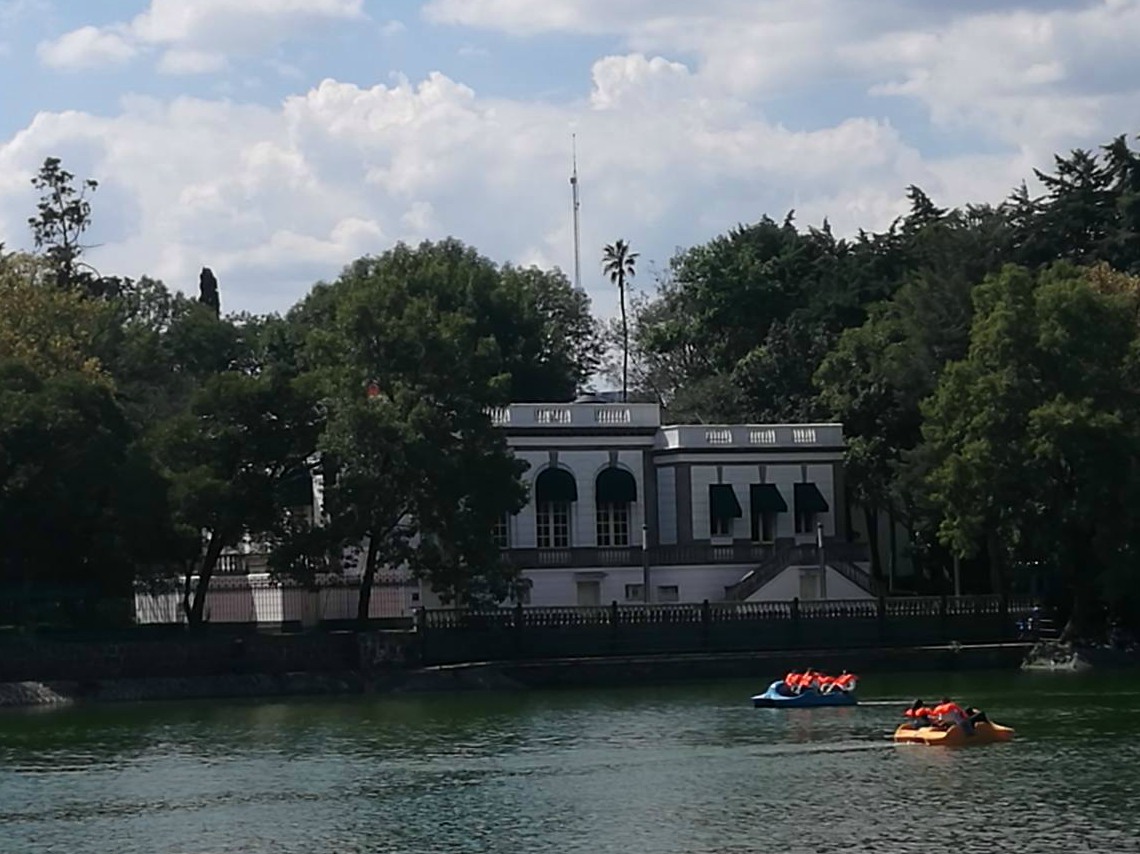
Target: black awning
809,499
615,486
554,486
766,498
723,503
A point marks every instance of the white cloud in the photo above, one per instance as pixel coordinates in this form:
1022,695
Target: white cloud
392,28
191,62
676,138
196,37
87,47
275,198
1053,71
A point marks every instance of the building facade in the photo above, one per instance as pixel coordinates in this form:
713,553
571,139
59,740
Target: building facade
710,512
742,512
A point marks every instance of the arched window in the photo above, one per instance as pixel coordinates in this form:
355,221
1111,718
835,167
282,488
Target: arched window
554,491
614,490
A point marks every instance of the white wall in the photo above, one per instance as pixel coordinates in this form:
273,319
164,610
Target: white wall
555,587
667,505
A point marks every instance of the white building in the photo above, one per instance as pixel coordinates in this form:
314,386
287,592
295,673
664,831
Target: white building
716,511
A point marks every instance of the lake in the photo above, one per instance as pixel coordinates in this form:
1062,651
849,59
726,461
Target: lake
690,768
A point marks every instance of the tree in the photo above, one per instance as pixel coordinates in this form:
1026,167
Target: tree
47,329
419,474
1033,433
63,215
83,513
248,428
621,265
208,291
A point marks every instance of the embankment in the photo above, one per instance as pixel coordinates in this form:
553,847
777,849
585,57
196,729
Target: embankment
360,664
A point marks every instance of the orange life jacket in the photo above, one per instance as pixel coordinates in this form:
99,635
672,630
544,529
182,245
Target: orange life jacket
845,680
791,679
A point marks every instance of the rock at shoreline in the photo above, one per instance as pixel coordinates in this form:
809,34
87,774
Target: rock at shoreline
30,694
1054,656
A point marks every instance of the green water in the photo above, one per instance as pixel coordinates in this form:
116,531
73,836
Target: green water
682,769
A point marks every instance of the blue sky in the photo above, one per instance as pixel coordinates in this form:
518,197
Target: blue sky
276,140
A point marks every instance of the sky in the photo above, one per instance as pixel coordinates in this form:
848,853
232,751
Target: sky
277,140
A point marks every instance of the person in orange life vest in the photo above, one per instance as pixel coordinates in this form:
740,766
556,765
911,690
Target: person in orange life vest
919,714
948,713
791,680
811,680
845,681
826,683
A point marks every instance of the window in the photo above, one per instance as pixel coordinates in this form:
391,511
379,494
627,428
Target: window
614,490
767,504
723,508
764,527
668,593
553,519
634,593
810,503
554,491
613,524
502,532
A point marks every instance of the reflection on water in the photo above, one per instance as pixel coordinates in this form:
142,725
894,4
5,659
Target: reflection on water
688,769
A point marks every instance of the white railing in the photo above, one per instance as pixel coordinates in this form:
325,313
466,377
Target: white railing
583,416
718,437
683,436
762,436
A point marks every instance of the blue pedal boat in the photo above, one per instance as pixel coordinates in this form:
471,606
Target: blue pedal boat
779,697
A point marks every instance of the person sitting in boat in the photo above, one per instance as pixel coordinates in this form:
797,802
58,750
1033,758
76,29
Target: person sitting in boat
826,683
975,716
845,681
810,679
791,681
948,714
919,715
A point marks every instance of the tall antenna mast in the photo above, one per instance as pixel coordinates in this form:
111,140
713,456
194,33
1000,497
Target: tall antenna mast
577,204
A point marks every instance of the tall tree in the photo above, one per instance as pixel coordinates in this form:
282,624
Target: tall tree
621,265
1032,434
247,429
409,361
208,291
63,215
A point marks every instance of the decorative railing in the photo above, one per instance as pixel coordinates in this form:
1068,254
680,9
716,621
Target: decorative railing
752,435
584,415
932,607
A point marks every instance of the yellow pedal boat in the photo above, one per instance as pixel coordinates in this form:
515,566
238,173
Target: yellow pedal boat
984,733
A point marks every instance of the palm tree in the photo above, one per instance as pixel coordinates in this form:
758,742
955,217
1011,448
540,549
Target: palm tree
620,265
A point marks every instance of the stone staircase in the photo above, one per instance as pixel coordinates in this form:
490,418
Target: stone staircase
804,555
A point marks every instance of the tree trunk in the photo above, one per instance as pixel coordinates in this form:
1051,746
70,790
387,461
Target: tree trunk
364,602
205,573
624,342
871,517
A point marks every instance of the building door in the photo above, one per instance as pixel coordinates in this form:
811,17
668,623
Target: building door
809,585
589,593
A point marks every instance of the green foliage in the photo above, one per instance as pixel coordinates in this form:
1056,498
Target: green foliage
82,510
621,266
1033,434
412,348
250,425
